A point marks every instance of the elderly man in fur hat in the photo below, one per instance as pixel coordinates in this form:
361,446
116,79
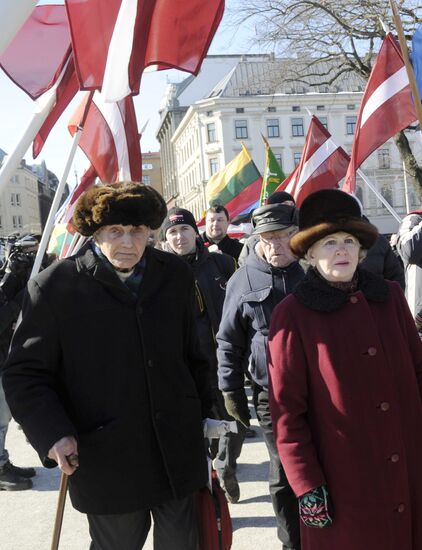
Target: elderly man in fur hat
105,365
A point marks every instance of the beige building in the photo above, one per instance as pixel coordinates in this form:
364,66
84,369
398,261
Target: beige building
252,99
151,170
19,206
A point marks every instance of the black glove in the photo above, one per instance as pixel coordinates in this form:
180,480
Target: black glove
236,404
315,508
17,272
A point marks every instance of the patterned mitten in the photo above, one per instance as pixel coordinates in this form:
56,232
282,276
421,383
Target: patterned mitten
314,508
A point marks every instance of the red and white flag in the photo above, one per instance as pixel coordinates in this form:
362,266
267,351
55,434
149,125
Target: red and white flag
110,138
386,108
39,60
39,52
322,165
115,40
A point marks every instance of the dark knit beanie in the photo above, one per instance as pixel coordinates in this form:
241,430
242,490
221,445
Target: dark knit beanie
178,216
123,203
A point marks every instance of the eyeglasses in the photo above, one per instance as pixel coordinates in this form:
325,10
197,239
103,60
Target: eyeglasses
278,238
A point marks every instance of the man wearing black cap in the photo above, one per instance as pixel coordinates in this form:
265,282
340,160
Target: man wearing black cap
269,274
279,197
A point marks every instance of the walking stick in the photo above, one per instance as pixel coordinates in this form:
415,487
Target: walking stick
73,461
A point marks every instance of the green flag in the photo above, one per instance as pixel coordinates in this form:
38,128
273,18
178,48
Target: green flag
273,174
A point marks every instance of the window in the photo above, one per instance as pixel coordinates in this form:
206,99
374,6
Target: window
17,222
273,128
387,193
1,223
320,107
297,127
209,113
147,166
296,158
240,110
296,108
241,129
324,121
211,132
213,166
18,199
271,109
384,158
350,125
278,158
12,199
351,107
146,180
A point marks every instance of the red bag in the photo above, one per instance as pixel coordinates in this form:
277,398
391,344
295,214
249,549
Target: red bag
215,524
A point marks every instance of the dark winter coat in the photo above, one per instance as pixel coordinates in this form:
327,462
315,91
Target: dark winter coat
345,396
229,246
120,372
212,270
251,296
381,260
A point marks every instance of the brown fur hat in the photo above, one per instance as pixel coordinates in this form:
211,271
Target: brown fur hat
123,203
329,211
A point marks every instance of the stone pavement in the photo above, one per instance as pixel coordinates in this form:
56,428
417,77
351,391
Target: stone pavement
26,517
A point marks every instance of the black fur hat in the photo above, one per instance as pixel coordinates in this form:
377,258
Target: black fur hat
329,211
123,203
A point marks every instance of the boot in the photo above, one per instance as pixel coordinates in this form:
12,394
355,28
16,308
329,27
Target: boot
10,481
22,472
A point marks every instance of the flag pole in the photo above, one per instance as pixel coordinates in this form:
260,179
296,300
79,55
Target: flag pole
408,65
378,195
12,16
59,192
44,105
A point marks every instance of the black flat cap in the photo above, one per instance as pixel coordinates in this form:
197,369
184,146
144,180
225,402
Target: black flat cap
273,217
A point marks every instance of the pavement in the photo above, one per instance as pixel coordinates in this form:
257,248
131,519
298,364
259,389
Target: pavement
27,517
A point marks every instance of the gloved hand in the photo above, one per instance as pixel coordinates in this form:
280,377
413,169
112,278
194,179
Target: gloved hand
17,272
315,508
19,264
236,404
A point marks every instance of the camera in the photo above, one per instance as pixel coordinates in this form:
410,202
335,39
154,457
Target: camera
19,249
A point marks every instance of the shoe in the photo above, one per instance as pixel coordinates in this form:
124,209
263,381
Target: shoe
10,481
250,432
23,472
231,489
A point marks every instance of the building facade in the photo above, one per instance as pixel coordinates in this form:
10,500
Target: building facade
151,170
256,98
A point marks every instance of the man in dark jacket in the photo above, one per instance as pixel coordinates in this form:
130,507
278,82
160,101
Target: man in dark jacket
269,274
105,366
212,271
216,224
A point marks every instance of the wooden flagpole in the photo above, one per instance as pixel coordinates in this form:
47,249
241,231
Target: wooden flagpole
405,53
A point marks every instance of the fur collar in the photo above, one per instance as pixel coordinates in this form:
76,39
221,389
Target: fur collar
315,293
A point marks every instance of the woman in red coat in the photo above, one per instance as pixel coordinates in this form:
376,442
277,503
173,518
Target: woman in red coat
345,369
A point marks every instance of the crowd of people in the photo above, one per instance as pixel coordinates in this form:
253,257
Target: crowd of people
125,351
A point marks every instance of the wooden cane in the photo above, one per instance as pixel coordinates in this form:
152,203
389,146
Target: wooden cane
73,461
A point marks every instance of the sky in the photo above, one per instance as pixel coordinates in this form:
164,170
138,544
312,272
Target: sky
16,107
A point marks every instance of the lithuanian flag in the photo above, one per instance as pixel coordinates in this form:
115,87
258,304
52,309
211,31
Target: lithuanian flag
237,186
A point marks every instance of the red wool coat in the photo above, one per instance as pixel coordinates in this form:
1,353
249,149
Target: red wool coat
345,396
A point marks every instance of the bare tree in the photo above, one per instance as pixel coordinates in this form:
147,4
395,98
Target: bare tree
346,34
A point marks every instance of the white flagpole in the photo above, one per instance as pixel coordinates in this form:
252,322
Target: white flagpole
55,205
378,195
12,161
406,190
13,14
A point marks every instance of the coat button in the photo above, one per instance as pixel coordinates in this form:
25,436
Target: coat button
150,363
395,457
353,300
400,508
372,351
385,406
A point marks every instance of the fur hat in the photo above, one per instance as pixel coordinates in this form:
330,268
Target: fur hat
123,203
329,211
178,216
272,217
